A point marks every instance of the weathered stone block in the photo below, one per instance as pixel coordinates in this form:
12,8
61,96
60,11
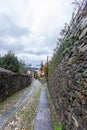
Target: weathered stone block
84,32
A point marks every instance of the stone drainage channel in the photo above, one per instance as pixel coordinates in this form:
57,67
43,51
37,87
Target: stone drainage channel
43,118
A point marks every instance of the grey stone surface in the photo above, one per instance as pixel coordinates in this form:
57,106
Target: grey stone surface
83,49
43,119
83,33
5,70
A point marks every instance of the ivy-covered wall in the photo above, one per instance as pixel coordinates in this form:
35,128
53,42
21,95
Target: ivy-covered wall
12,82
67,80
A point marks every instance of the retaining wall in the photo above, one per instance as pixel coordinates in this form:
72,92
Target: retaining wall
11,83
68,82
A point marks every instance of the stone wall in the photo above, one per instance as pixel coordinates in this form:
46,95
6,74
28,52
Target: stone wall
68,82
11,82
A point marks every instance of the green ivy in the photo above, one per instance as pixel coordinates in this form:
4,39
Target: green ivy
58,127
64,48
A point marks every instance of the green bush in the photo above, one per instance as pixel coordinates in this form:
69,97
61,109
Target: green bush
11,62
58,127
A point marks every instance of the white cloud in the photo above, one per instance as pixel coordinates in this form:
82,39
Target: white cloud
32,26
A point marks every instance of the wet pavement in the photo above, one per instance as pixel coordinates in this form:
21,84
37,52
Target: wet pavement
43,119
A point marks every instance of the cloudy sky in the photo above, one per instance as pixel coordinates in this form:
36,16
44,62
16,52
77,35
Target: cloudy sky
30,27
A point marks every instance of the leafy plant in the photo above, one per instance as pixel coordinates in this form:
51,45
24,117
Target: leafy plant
79,81
63,49
85,71
59,127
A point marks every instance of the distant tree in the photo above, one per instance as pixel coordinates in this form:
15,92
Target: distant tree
45,69
22,67
10,62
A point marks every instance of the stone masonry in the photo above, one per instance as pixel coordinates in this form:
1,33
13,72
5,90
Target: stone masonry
11,82
68,82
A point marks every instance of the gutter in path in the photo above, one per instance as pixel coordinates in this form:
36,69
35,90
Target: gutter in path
43,119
